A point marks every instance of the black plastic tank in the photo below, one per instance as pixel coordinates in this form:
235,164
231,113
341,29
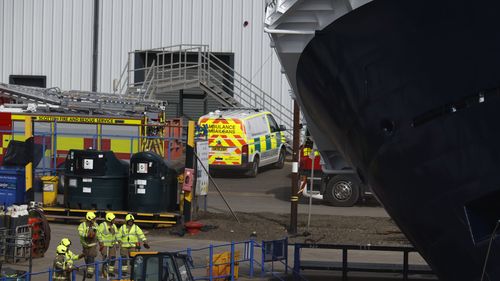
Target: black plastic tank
153,183
95,180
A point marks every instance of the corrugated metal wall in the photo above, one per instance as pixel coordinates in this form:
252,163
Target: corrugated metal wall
51,38
54,38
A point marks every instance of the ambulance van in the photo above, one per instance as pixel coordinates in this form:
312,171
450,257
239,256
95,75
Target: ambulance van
244,139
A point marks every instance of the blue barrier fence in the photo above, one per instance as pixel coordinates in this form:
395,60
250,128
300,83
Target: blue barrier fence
271,252
242,259
210,266
49,274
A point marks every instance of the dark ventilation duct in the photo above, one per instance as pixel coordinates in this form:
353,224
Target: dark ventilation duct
95,49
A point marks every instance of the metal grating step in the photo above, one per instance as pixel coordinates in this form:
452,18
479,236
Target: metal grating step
222,97
181,67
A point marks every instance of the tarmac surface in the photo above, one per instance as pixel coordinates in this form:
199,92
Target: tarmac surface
162,243
270,192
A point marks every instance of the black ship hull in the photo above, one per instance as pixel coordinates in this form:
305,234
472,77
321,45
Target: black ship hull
409,93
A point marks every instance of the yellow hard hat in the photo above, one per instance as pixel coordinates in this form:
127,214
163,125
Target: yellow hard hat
90,216
129,217
110,217
61,249
65,242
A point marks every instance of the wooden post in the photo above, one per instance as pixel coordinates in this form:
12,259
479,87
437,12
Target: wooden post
294,198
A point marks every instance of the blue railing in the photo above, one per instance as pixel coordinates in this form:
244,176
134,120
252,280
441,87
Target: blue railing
201,268
49,274
248,256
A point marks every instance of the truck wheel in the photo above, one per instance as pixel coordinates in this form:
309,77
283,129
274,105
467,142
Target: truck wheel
254,169
281,160
342,191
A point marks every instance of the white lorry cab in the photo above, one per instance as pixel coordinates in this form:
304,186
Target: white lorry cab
244,139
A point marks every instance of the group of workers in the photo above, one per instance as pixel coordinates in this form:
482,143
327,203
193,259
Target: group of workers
105,237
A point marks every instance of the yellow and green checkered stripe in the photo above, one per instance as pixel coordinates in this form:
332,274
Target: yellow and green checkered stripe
267,142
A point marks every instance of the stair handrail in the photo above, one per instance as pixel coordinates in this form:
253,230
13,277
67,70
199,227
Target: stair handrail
249,83
265,99
265,105
179,47
225,87
122,83
149,81
215,75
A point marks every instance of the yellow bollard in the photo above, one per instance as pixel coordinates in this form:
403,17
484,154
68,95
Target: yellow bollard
28,133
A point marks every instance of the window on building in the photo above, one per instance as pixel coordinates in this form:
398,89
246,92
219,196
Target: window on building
29,80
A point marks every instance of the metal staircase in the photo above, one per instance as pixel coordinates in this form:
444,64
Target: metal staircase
53,99
164,70
179,67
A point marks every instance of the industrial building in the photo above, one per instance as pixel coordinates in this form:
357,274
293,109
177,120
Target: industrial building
84,45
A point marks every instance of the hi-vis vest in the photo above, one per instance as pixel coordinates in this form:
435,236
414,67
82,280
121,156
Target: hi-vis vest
307,152
62,265
83,231
106,234
129,237
71,256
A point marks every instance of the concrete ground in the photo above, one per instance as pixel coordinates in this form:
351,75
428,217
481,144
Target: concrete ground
167,243
268,192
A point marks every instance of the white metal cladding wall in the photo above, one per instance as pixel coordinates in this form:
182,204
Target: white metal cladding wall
54,38
47,37
128,25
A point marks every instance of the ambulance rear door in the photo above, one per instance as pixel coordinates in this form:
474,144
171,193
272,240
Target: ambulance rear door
226,139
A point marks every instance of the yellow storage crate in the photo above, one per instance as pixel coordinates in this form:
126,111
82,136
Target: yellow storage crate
222,265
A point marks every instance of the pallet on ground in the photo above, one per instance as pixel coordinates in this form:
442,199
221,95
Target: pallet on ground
76,215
